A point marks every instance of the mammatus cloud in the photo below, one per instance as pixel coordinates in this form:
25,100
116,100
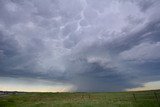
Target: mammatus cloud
94,45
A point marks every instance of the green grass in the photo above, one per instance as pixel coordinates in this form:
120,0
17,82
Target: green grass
117,99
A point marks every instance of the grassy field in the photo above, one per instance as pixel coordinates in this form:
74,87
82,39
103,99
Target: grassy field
116,99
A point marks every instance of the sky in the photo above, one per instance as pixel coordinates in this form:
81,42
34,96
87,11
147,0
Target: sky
79,45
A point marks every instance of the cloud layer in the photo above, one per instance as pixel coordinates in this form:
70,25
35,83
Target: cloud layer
95,45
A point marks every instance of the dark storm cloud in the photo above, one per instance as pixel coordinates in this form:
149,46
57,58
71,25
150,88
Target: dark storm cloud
93,45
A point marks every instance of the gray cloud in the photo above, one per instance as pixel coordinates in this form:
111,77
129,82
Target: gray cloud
93,45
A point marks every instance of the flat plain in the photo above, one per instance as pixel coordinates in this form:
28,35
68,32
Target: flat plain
82,99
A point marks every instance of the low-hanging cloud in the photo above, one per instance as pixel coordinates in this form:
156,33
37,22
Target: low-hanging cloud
95,45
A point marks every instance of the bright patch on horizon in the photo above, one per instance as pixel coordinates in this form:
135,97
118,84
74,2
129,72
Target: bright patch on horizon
31,85
147,86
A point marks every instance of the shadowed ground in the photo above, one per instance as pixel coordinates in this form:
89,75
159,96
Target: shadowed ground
110,99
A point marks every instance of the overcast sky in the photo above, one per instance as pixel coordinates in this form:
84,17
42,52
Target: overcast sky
79,45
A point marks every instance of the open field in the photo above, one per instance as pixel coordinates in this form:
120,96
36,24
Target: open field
115,99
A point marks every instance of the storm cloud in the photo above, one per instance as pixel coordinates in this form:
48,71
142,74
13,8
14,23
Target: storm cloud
94,45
